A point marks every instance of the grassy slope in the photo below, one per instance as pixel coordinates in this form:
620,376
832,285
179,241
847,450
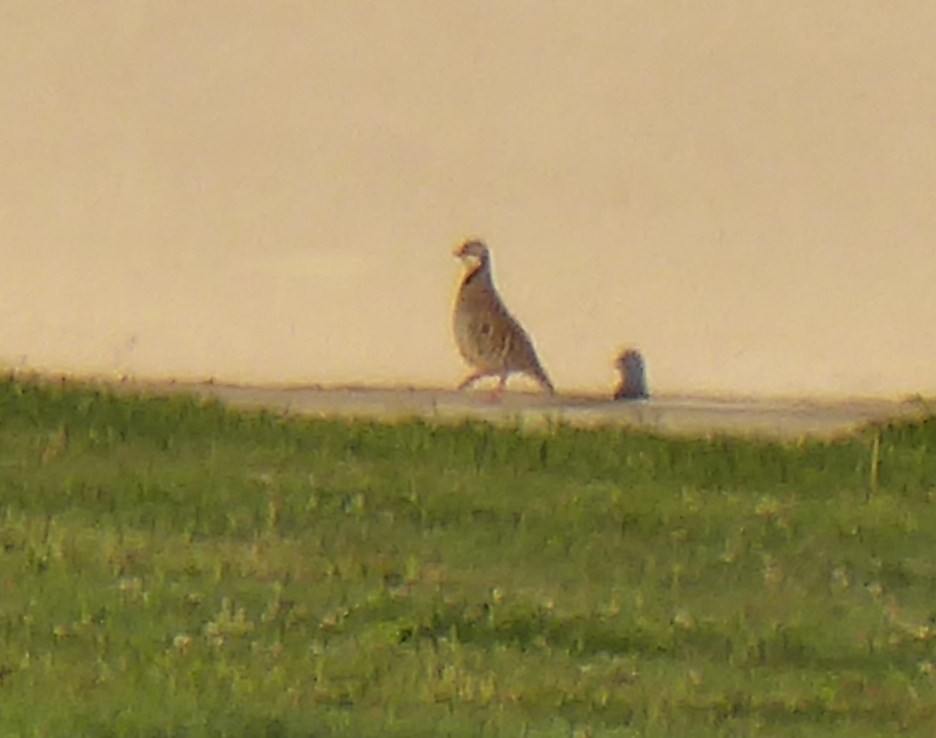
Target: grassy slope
172,568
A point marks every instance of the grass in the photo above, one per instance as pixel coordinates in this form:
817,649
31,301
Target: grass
172,568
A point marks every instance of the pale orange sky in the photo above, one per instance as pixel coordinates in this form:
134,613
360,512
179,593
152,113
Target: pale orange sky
272,191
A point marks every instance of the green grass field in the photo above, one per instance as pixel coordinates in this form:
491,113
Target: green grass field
172,568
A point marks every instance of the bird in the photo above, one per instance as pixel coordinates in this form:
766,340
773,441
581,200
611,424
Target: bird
489,338
630,363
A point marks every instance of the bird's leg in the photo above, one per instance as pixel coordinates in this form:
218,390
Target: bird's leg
498,393
470,380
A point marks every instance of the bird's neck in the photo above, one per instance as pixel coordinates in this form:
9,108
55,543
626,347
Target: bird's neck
479,274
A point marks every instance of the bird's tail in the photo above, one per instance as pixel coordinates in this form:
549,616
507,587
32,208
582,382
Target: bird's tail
539,374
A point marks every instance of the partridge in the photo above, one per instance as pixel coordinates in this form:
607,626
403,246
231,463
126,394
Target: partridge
489,338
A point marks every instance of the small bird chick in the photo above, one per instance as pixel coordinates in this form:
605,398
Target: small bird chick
633,385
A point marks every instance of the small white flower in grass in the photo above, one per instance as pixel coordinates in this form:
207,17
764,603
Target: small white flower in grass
182,642
130,585
840,580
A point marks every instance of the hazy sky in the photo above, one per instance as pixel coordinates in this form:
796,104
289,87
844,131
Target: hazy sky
271,191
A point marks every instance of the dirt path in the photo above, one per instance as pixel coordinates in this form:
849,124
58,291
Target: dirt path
675,414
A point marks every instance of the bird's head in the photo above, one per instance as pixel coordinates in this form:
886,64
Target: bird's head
628,361
473,253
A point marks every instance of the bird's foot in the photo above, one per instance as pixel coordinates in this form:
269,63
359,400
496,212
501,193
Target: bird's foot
468,382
